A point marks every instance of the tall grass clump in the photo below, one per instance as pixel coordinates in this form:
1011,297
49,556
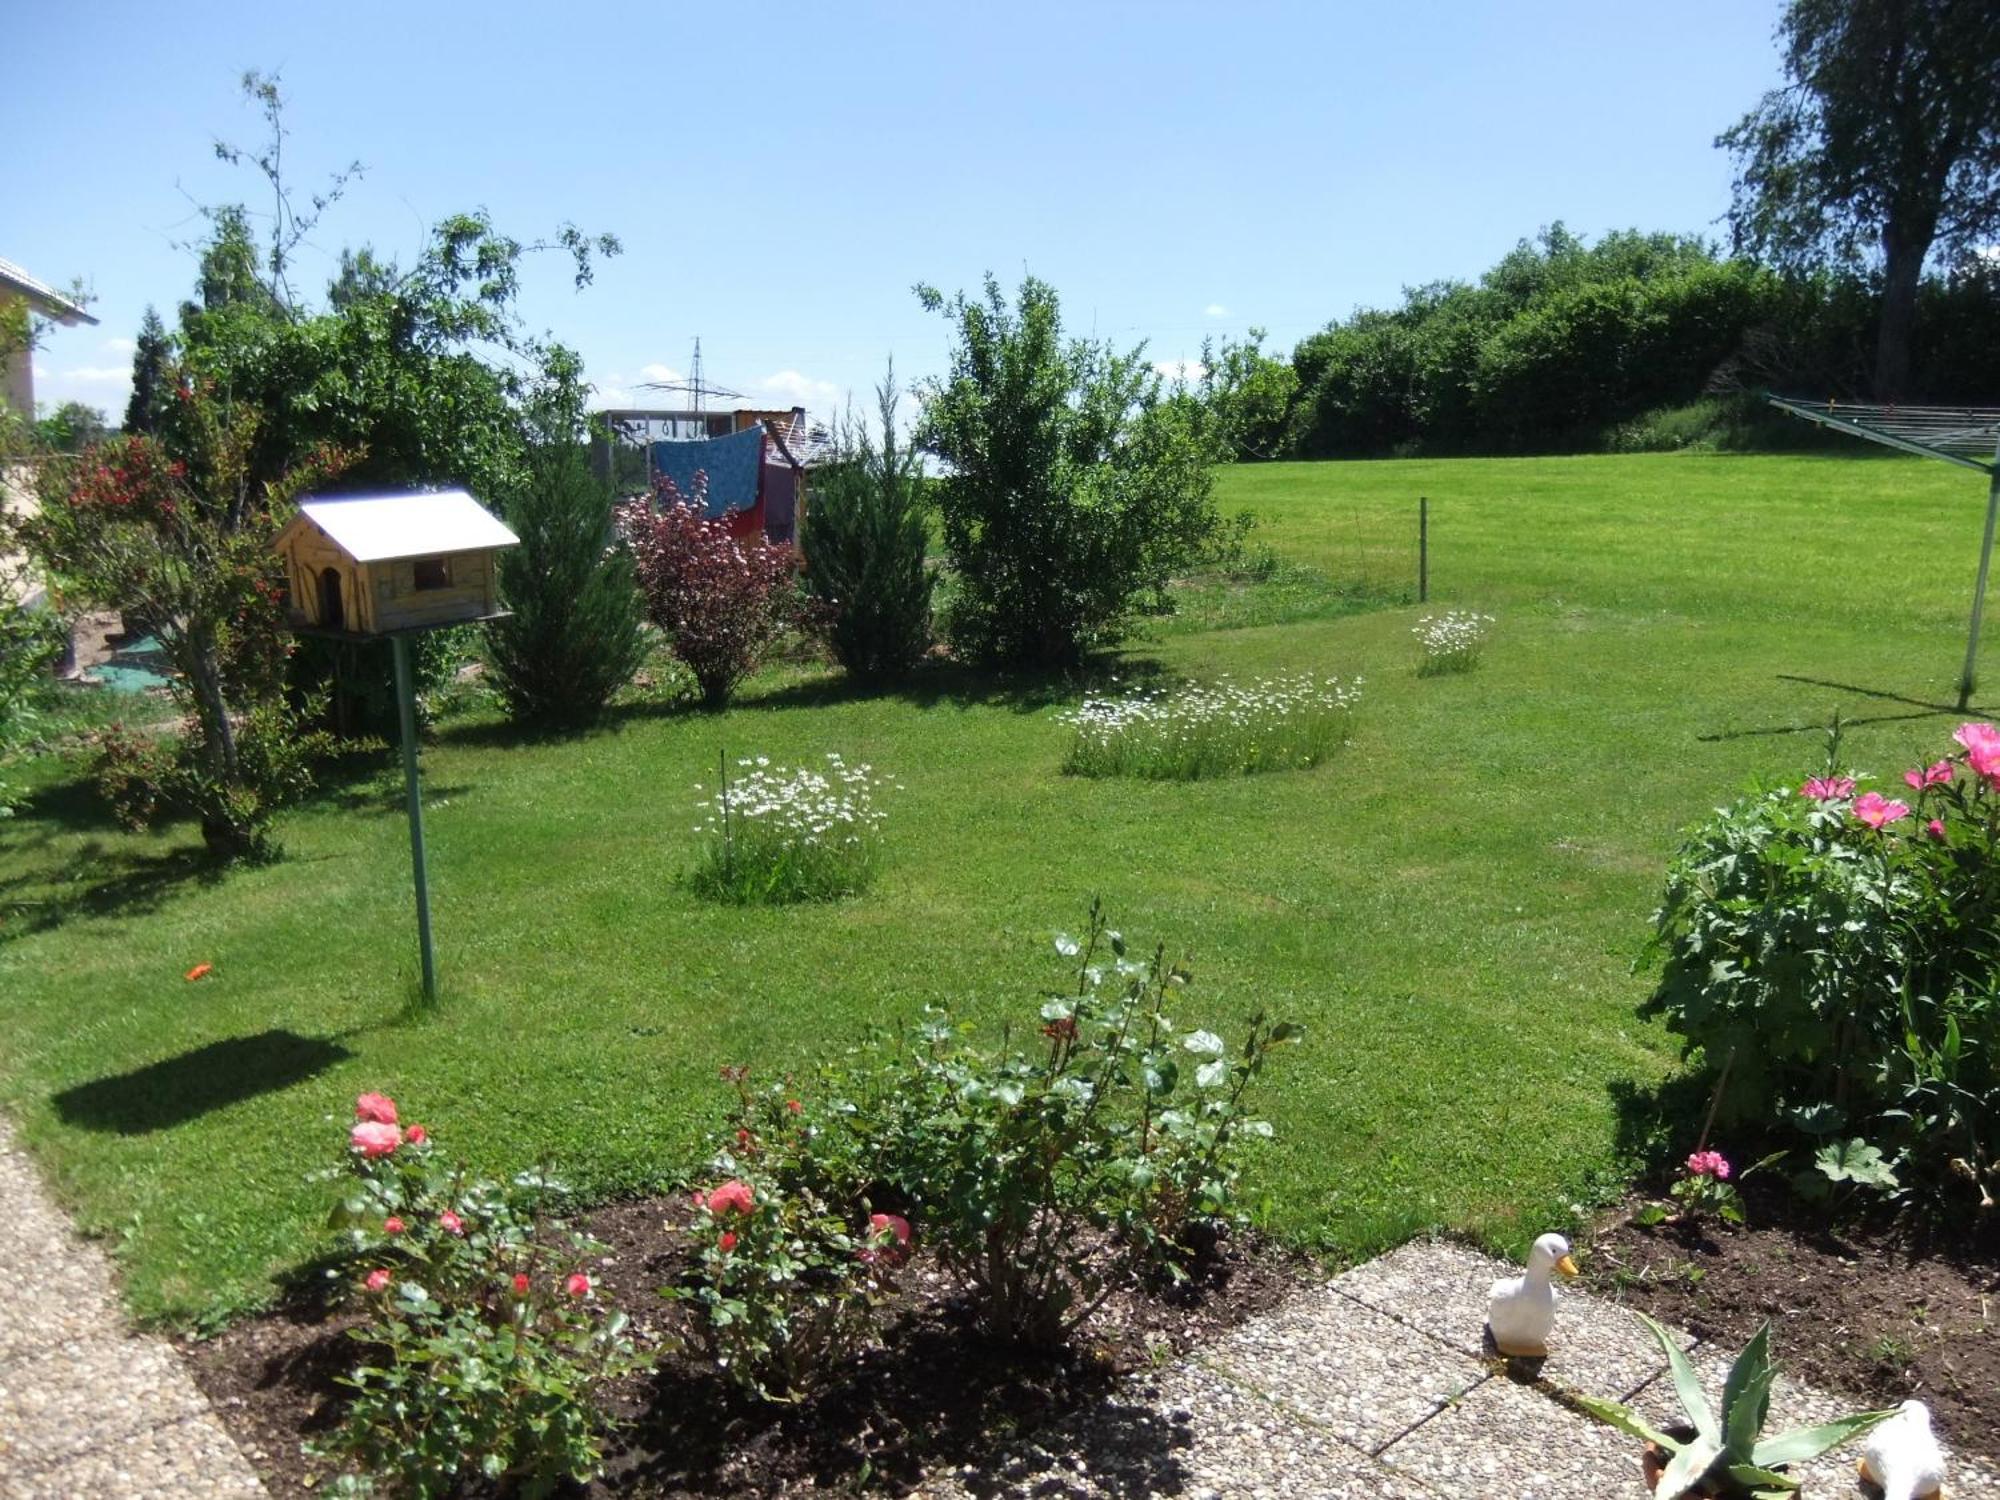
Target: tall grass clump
1451,641
777,834
1228,729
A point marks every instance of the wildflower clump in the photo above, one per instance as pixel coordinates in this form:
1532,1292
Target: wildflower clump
1451,641
1225,729
776,834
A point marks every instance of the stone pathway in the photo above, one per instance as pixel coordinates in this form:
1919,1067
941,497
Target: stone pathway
88,1409
1376,1385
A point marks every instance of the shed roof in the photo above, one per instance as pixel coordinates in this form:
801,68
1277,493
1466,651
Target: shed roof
383,528
44,298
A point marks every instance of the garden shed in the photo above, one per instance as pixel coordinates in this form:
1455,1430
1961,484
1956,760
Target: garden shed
377,564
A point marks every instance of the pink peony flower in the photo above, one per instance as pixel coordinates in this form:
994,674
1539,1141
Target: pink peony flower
578,1284
392,1225
378,1279
377,1107
1935,828
372,1138
451,1223
1935,774
1828,788
1973,736
1709,1164
1876,810
734,1196
727,1241
520,1284
417,1135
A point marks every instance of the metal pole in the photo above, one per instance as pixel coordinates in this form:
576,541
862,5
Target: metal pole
1423,549
1965,678
406,700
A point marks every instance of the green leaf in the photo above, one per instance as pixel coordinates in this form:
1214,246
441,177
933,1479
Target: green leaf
1854,1160
1762,1481
1651,1214
1617,1414
1207,1043
1804,1443
1687,1385
1689,1465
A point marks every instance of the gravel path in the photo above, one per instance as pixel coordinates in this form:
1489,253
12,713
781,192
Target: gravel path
88,1409
1377,1385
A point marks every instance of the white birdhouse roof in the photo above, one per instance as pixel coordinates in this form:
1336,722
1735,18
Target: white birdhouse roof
384,528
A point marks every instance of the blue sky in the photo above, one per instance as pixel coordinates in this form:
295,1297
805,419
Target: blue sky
781,176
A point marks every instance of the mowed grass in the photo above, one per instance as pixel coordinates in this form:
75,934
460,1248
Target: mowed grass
1451,903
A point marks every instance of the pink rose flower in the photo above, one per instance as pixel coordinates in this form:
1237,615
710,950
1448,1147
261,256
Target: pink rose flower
888,1240
578,1284
377,1107
417,1135
734,1196
1876,810
727,1242
1827,788
1935,774
451,1223
520,1284
392,1225
372,1138
378,1279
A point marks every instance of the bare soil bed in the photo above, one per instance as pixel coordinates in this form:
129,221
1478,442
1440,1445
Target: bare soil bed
1872,1310
932,1394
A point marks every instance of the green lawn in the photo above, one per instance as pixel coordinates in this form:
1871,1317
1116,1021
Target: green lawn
1452,903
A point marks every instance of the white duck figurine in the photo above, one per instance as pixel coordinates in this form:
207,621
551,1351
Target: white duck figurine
1902,1455
1520,1310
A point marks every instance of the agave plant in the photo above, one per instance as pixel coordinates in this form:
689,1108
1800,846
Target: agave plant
1728,1455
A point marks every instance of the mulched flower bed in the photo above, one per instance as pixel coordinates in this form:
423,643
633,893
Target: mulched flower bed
1872,1310
933,1394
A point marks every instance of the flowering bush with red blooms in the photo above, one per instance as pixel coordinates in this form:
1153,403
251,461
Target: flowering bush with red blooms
179,538
1828,950
486,1353
721,602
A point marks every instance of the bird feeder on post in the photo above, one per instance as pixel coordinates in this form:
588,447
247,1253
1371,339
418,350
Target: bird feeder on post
372,567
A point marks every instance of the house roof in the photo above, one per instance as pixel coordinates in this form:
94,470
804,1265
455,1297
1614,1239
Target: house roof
384,528
45,298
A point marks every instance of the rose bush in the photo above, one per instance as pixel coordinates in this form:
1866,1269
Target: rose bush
485,1352
1830,954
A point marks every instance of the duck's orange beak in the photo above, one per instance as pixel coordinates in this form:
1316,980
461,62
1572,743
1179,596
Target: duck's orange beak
1566,1266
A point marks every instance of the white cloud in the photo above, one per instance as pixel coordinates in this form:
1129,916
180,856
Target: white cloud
660,372
40,372
799,390
1215,310
97,374
120,346
1180,369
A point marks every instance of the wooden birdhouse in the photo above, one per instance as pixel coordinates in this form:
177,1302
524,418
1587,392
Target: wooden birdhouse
371,565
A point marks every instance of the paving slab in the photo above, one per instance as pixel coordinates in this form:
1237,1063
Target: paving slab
1441,1288
194,1457
1511,1441
1186,1433
1349,1369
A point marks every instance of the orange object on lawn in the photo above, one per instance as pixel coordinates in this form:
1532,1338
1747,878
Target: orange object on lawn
200,971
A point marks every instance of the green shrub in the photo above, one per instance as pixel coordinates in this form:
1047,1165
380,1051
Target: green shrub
1229,729
1045,1178
1074,491
864,535
1831,955
29,643
485,1354
575,634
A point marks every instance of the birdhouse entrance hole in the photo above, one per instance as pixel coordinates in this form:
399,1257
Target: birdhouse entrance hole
331,615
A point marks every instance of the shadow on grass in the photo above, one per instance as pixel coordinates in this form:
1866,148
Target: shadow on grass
1921,708
96,882
1658,1122
178,1089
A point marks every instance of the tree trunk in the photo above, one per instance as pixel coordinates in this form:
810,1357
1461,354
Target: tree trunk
1903,253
